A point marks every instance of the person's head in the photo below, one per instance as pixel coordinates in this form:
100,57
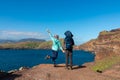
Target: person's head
56,36
68,34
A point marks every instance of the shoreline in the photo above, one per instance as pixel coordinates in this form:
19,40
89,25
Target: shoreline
7,69
42,72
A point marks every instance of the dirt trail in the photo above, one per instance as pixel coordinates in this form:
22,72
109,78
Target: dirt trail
48,72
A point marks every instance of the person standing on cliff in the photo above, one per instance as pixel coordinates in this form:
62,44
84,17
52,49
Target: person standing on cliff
68,43
56,45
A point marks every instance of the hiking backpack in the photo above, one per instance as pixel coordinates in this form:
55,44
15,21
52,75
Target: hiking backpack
68,43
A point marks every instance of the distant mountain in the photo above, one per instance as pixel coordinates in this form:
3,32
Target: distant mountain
7,41
28,43
2,41
31,40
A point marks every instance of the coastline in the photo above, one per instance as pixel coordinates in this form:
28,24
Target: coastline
48,72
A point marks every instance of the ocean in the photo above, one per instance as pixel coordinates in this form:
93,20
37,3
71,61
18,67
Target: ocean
14,59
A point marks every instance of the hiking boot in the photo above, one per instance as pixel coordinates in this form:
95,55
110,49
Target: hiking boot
55,65
71,68
47,57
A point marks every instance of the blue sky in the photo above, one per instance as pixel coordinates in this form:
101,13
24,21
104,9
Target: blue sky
84,18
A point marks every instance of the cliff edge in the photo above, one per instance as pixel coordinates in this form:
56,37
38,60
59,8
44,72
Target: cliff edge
107,44
48,72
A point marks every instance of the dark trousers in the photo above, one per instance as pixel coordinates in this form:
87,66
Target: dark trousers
54,55
68,58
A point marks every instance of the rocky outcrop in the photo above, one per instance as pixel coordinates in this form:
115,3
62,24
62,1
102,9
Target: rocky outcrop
48,72
3,74
114,71
23,68
107,44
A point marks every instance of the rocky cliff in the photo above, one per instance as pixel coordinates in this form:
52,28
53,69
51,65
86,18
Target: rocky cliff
107,44
48,72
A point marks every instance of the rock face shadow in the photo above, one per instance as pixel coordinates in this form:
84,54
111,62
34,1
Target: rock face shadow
74,67
10,77
78,67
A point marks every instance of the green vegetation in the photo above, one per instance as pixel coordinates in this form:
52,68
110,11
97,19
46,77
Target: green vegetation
45,45
107,33
106,63
32,45
48,44
20,45
104,32
28,45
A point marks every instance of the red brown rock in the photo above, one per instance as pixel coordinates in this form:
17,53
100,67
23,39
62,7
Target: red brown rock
107,44
48,72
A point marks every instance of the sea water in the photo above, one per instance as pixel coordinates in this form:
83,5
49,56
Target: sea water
14,59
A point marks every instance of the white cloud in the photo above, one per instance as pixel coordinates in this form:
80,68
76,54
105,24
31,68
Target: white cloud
20,35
